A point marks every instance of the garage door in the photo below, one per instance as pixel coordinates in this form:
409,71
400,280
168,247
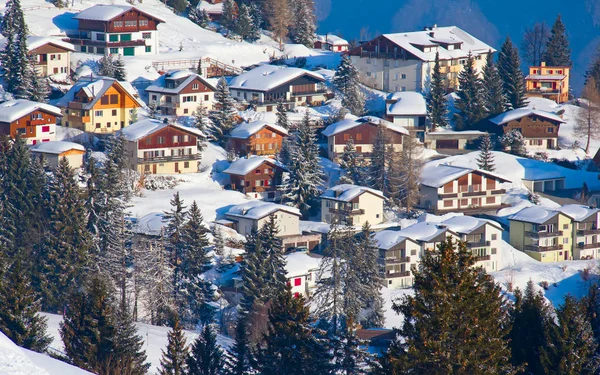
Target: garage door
447,144
128,51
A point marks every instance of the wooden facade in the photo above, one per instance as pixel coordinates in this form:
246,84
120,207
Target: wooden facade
264,179
168,137
365,134
266,141
535,128
119,25
26,126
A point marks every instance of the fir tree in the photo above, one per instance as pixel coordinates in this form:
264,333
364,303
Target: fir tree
206,356
485,159
199,17
229,15
353,165
133,116
179,6
244,25
509,68
409,165
351,358
106,66
493,92
129,353
19,316
378,170
176,218
591,304
219,245
469,103
303,26
14,59
515,142
558,52
241,355
119,73
571,346
199,69
437,106
370,275
200,121
346,80
449,295
282,117
173,361
273,250
222,116
40,89
585,193
152,110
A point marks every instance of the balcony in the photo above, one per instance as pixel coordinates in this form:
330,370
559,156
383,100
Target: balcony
447,195
394,260
343,212
76,105
499,191
543,248
169,105
383,55
397,274
482,258
482,243
162,159
588,246
543,234
102,43
584,232
475,193
543,91
309,93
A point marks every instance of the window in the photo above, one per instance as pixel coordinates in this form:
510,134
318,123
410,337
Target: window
297,281
97,125
114,51
403,88
565,226
99,50
195,86
100,36
108,124
520,130
359,136
206,97
83,49
113,38
550,130
114,112
161,140
114,99
413,252
125,37
143,23
175,139
535,142
185,110
448,203
257,171
131,23
186,138
36,116
149,140
98,113
346,137
186,164
104,100
45,129
118,23
403,76
148,49
368,74
566,240
146,35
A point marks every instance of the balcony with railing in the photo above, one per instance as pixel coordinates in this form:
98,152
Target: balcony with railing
346,212
170,105
83,41
384,261
482,258
390,275
539,248
543,234
76,105
585,246
162,159
480,243
585,232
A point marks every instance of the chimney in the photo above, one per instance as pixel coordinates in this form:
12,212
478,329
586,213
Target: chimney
434,26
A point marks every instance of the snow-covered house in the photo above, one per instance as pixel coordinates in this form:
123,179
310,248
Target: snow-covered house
586,244
99,105
544,234
404,61
447,188
214,8
363,132
180,93
35,122
54,151
115,29
331,42
267,85
407,109
301,271
352,205
451,141
256,138
550,82
50,55
154,146
257,177
539,128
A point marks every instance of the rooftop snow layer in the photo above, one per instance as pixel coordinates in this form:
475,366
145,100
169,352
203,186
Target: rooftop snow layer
210,8
439,36
407,103
350,123
151,224
34,42
142,128
13,110
423,231
105,12
246,129
441,174
301,263
347,192
242,167
386,239
578,212
519,113
534,214
159,85
267,77
334,40
56,147
256,210
466,224
95,87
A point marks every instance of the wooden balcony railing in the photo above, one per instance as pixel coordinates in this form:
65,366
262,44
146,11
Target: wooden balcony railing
543,234
161,159
482,258
394,260
588,245
583,232
76,105
343,212
482,243
543,248
397,274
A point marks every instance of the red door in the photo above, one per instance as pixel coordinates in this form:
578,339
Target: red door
154,168
566,255
176,167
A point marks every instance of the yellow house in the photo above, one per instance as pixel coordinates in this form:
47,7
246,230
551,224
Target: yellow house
542,233
550,82
99,105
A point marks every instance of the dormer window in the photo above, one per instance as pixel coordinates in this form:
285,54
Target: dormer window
195,86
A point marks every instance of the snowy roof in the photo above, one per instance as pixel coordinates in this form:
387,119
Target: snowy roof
56,147
34,42
13,110
467,224
519,113
267,77
152,224
347,192
350,123
554,77
386,239
256,210
536,214
424,231
95,87
142,128
246,129
106,12
159,85
332,39
406,103
301,263
578,212
439,36
441,174
445,132
242,167
210,8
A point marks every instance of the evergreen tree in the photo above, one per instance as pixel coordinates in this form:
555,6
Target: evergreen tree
378,170
437,106
370,274
40,89
469,102
591,304
279,16
130,355
350,358
302,186
219,246
133,116
485,159
179,6
173,361
241,356
558,52
19,315
106,66
199,17
152,110
206,356
14,59
199,67
229,15
410,166
493,92
176,218
245,26
222,116
200,121
587,125
571,346
530,316
593,70
353,165
282,117
346,80
303,26
509,68
585,193
438,329
272,245
119,73
515,142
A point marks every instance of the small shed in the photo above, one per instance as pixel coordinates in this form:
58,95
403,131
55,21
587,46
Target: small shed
451,141
55,150
544,184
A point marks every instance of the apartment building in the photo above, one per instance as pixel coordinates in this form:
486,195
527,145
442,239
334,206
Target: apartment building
549,82
352,205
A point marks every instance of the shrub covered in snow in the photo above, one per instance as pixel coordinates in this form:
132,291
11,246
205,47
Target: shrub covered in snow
157,182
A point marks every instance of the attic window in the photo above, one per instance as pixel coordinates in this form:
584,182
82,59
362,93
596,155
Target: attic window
143,23
195,86
257,171
104,100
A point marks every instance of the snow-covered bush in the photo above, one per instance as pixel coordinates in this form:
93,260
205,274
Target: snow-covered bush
514,141
156,182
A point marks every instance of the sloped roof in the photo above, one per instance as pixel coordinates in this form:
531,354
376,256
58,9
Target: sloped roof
535,214
106,12
386,239
159,85
210,8
407,103
301,263
424,231
13,110
256,210
267,77
441,174
143,128
246,129
56,147
347,192
242,167
332,39
467,224
578,212
34,42
352,122
95,87
519,113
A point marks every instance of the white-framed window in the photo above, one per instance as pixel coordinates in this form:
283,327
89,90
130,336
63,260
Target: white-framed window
131,23
146,35
143,23
98,113
186,138
118,24
403,76
195,86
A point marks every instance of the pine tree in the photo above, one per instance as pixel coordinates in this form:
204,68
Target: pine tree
14,59
303,26
19,316
219,246
571,346
353,165
106,66
350,358
438,329
200,122
176,218
130,355
585,193
40,89
133,116
282,117
469,103
206,356
229,15
509,68
152,110
493,92
594,68
244,25
179,6
515,142
222,116
119,73
378,170
273,250
591,304
409,167
241,355
437,106
279,16
485,159
173,361
558,52
346,80
370,274
199,17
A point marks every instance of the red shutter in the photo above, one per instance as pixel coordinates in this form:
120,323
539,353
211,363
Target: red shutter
297,281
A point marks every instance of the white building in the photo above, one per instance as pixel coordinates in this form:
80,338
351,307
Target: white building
331,42
352,205
301,271
50,55
180,93
408,109
245,216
